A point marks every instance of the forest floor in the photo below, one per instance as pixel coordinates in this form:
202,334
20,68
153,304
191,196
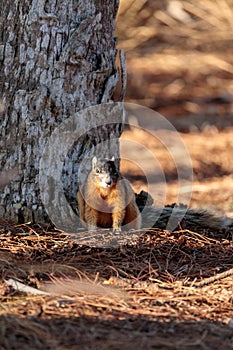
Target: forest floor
161,290
154,292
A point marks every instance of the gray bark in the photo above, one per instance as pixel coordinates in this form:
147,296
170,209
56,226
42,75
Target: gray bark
57,58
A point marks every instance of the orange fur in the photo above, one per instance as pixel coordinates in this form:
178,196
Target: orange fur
111,207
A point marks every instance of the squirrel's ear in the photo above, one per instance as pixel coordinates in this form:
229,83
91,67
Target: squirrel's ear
94,162
113,159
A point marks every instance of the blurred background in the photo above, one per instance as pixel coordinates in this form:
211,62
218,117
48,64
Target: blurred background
180,64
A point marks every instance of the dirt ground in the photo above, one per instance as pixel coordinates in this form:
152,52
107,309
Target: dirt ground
162,290
210,152
179,62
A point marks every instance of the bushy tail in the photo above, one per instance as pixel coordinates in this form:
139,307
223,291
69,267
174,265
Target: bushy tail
171,217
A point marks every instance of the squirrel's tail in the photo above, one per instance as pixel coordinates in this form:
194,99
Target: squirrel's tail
171,217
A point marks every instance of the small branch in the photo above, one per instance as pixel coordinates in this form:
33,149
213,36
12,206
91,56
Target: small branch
23,288
213,279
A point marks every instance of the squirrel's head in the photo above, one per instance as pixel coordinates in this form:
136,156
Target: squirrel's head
105,172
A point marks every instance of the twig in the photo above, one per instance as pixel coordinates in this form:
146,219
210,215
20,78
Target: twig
23,288
212,279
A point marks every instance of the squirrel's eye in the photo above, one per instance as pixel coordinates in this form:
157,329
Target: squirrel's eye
97,171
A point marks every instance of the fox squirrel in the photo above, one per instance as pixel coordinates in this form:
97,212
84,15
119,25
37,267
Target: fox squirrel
107,199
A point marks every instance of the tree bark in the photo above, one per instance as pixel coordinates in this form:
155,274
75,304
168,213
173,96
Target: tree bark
57,58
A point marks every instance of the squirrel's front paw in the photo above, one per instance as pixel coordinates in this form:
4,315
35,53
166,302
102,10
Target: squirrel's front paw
91,227
116,230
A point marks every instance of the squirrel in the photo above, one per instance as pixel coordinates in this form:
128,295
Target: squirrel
107,199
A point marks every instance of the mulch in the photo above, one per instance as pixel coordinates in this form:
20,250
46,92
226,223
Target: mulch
163,290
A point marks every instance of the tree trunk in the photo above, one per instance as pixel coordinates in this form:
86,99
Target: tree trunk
57,58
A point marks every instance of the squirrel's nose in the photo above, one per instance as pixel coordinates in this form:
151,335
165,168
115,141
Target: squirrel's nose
108,182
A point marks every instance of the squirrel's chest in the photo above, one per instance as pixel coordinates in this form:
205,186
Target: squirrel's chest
106,200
